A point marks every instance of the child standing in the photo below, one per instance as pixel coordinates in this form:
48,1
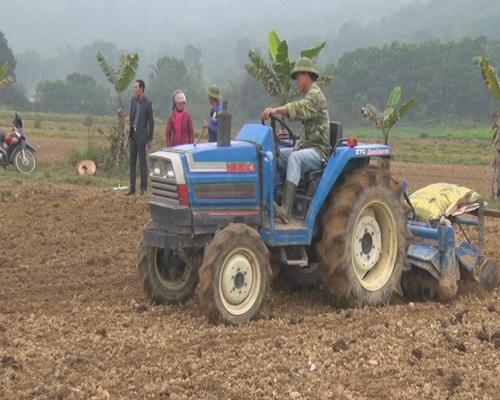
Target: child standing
180,123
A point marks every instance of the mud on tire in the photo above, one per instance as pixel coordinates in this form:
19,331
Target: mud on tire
235,275
161,284
369,193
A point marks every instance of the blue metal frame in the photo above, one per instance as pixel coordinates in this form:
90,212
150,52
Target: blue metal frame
334,169
441,240
212,155
255,144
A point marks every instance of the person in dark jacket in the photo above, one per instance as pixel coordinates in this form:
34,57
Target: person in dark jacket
180,123
215,99
141,135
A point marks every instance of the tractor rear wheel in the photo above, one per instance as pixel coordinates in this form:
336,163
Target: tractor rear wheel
235,275
488,275
169,276
363,244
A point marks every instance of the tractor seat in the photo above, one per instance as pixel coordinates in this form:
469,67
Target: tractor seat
336,133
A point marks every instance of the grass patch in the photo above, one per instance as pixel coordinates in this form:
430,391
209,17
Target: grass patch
93,152
492,203
444,152
412,132
64,171
63,174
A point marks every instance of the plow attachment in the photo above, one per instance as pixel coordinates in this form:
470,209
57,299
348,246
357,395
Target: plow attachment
438,261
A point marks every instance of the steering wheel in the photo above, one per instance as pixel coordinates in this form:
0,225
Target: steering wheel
277,139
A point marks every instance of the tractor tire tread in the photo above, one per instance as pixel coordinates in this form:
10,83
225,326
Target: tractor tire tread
333,249
221,241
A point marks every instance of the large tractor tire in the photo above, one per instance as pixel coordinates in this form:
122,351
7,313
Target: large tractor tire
363,244
169,276
235,275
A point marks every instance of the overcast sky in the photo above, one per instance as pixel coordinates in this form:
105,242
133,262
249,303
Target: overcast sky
46,25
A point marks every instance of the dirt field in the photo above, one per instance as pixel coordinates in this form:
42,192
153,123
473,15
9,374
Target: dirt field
50,150
74,323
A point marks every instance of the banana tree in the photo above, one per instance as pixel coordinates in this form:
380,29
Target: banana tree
495,187
6,78
385,120
275,74
492,82
120,79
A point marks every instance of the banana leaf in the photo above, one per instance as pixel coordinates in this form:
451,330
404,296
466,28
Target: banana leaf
394,98
127,68
282,60
108,71
6,79
374,113
407,106
4,69
313,52
324,81
273,42
489,75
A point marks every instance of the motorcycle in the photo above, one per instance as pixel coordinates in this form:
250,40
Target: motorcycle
16,150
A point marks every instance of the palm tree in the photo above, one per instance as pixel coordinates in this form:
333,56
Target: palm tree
275,75
6,78
120,79
385,120
492,82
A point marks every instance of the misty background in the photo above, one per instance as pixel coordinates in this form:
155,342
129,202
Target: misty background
425,45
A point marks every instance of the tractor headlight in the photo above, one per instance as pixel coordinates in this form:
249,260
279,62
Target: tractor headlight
162,169
169,171
155,169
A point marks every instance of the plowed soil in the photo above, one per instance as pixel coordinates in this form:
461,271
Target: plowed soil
74,323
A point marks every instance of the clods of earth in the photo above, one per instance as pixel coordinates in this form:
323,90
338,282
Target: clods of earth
74,323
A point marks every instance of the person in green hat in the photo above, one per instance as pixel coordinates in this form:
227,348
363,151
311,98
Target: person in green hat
314,145
215,99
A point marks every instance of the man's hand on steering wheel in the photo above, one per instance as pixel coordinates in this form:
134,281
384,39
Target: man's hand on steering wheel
279,137
267,113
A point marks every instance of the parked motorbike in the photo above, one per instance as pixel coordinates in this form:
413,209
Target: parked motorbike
16,150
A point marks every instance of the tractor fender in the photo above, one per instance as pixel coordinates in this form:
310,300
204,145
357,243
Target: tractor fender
334,169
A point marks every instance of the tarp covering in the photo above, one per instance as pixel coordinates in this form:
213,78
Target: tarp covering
441,200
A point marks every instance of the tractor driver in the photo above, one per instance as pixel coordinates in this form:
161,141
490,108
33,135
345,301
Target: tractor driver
314,145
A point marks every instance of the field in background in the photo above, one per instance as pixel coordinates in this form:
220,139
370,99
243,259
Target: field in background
58,137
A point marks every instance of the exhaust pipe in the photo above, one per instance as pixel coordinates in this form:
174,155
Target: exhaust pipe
224,126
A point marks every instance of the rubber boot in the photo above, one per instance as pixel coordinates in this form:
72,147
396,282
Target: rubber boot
287,200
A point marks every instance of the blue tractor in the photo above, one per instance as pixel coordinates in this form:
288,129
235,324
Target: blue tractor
213,226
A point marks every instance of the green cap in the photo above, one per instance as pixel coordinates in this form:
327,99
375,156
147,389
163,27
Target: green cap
304,64
214,92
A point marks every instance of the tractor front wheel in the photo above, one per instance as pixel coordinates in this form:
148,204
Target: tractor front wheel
235,275
169,276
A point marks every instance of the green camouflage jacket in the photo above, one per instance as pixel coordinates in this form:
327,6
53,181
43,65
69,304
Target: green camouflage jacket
312,109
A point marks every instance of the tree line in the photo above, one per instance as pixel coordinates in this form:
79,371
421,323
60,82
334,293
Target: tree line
441,75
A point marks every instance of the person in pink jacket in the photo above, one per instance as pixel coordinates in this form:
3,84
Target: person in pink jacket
180,123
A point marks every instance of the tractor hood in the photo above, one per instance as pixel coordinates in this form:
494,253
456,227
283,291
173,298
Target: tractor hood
208,157
240,156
